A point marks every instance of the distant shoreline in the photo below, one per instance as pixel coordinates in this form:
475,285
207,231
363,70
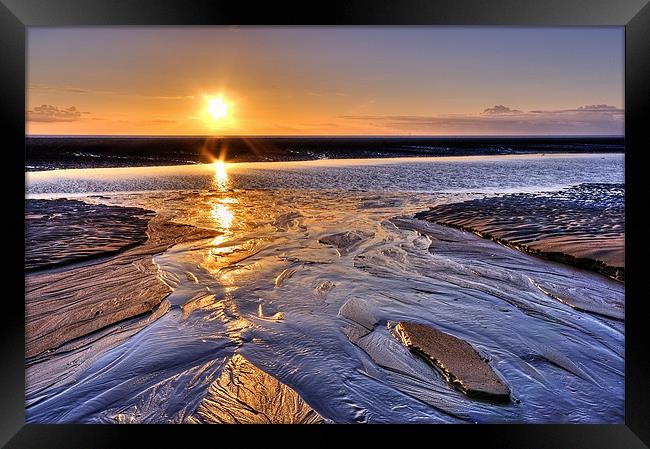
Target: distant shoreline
52,153
323,163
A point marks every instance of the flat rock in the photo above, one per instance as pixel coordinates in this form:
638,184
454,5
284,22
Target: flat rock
458,361
244,394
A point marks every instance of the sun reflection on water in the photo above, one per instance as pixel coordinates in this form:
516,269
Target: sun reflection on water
222,216
220,180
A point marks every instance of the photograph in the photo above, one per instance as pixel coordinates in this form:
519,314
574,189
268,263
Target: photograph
325,224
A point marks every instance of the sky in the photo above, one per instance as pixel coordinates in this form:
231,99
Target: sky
325,81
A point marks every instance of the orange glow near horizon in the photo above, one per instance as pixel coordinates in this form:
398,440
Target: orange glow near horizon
302,81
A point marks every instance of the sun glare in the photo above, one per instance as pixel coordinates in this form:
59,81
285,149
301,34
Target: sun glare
220,174
217,108
222,216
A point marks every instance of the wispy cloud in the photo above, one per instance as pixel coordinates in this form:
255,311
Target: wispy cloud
162,120
164,97
49,113
78,90
500,119
47,88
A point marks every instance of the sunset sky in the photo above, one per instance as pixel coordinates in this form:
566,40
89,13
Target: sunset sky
325,81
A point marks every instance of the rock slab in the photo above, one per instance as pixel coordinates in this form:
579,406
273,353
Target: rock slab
458,361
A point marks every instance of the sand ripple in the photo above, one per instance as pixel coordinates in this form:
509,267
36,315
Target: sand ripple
582,225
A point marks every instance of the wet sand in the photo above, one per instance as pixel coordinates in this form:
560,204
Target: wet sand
284,305
59,232
64,304
583,226
110,302
244,394
99,299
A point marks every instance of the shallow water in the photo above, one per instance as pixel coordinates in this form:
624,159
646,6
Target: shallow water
267,288
427,174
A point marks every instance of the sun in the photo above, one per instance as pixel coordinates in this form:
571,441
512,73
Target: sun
217,108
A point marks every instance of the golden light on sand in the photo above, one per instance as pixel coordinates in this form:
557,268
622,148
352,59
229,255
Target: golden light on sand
217,108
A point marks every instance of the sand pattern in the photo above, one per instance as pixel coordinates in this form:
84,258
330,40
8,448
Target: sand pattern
583,226
59,232
309,287
63,305
245,394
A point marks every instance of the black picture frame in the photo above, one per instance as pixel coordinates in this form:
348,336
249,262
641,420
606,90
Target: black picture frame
16,15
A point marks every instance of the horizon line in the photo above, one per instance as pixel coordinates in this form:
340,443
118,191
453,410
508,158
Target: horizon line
548,136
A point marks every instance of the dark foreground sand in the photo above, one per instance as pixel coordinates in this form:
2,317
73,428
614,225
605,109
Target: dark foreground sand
583,226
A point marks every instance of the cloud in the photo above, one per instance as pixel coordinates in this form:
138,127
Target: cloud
49,113
593,108
599,119
165,97
500,109
321,125
44,87
78,90
598,107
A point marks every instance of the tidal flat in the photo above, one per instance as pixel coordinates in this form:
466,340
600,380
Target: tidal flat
275,292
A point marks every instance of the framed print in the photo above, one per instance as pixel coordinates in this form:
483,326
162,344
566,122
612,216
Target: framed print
417,214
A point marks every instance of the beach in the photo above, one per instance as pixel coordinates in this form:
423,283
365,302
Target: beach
581,226
424,290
